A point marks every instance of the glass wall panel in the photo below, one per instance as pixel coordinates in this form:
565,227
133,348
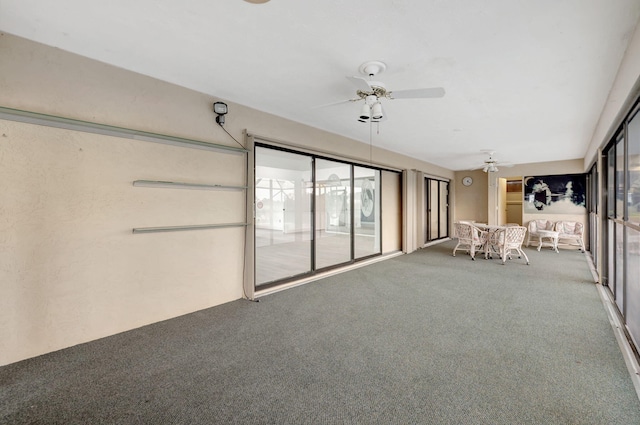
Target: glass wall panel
611,259
620,189
367,211
633,283
434,210
633,197
593,214
283,214
619,275
333,213
611,182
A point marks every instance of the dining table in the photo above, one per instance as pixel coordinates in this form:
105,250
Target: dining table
492,238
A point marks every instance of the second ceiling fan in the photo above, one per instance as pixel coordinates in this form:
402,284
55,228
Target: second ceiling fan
372,92
491,165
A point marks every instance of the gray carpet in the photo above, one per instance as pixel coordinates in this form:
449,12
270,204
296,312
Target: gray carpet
424,338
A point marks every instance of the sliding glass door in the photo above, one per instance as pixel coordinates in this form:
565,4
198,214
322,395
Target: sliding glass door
312,213
283,231
333,213
437,209
622,254
632,236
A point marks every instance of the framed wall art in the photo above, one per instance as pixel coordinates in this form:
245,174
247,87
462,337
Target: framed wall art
559,194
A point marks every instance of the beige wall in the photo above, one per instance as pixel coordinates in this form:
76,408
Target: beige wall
471,201
392,211
71,270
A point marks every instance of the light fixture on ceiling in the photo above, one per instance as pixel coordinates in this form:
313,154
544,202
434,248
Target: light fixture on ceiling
371,110
376,111
365,113
221,109
490,165
256,1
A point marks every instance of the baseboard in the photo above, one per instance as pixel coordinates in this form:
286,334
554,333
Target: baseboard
618,327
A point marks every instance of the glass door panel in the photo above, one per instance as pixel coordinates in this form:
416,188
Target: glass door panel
609,257
283,215
433,209
619,276
444,210
593,194
611,182
620,189
367,211
437,209
610,280
333,213
633,197
633,284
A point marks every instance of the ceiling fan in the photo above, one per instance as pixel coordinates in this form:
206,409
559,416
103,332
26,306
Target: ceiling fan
491,165
372,92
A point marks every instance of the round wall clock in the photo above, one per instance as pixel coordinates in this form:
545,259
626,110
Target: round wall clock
467,181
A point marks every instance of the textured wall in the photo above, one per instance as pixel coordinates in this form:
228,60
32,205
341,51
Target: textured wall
471,201
71,268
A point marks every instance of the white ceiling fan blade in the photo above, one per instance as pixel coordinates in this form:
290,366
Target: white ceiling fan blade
360,83
488,165
335,103
417,93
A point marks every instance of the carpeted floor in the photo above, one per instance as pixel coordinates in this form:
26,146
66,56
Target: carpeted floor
424,338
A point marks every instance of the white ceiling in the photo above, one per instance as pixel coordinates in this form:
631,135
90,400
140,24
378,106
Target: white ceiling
526,78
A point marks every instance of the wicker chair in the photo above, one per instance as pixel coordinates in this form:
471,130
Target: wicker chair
470,239
535,225
512,239
571,232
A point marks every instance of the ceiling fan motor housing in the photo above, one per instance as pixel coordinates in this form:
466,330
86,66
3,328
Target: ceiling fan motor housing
372,68
377,89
